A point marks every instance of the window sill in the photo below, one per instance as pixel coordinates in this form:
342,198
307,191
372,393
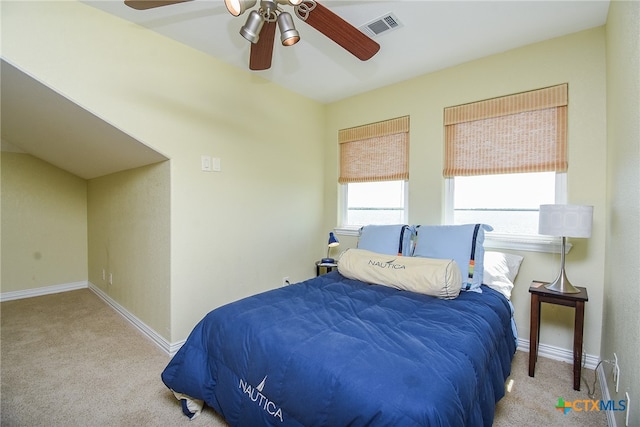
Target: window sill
527,243
347,231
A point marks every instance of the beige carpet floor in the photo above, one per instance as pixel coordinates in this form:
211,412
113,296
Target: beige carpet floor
69,360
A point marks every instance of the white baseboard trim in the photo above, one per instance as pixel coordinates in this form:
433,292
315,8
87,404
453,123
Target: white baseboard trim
606,396
45,290
157,339
166,346
561,354
174,347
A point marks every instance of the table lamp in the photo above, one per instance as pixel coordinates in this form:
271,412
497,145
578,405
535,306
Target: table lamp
333,242
564,221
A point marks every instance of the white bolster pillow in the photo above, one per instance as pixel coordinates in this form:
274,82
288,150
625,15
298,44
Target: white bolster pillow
435,277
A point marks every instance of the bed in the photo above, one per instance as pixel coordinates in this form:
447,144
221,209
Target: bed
415,328
337,351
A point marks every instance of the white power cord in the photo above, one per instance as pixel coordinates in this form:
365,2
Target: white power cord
591,392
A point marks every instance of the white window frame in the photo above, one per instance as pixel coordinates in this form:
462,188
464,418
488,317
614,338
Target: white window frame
524,242
354,230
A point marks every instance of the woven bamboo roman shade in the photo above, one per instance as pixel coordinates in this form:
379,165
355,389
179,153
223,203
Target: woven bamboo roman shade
525,132
375,152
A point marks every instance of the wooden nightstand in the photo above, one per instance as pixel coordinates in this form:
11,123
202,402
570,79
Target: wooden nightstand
327,266
540,294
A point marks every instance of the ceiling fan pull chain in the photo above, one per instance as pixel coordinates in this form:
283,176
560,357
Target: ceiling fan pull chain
304,8
269,10
270,15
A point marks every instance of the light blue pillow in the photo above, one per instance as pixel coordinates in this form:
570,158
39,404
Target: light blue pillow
456,242
387,239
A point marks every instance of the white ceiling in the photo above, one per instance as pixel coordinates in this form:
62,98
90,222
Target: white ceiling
435,35
38,121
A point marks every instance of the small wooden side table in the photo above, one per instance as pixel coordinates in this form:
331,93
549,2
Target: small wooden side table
540,294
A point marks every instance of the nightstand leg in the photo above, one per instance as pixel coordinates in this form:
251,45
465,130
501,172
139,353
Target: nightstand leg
534,333
577,344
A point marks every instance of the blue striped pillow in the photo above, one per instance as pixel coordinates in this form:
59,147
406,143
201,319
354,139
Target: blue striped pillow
456,242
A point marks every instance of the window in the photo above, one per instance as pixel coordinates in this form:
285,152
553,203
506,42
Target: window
504,157
374,170
509,203
382,202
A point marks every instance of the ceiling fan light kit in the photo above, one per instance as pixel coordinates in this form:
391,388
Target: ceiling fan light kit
251,29
262,21
288,33
268,12
237,7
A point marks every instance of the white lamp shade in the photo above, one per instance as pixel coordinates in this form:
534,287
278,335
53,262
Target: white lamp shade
237,7
565,220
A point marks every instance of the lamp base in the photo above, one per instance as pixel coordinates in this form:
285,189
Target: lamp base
327,261
562,285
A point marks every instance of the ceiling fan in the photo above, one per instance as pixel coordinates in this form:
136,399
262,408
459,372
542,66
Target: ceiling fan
260,27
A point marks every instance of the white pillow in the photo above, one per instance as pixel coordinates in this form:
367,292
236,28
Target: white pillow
500,271
435,277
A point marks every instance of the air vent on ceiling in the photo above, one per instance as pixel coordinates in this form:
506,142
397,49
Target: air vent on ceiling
381,25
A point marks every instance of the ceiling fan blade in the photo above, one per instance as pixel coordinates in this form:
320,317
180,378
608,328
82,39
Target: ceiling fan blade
150,4
262,52
342,32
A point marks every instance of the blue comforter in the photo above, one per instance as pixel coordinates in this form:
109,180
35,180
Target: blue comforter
335,352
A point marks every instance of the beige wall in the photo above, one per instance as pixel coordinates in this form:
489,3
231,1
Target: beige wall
129,238
57,227
44,224
240,231
577,59
234,232
621,321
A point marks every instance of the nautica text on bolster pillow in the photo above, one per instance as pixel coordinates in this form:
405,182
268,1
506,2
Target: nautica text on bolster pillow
388,264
